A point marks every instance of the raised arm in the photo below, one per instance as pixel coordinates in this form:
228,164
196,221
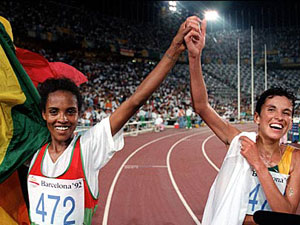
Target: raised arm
150,83
195,41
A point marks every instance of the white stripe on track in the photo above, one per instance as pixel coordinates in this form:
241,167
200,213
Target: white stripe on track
112,187
205,155
194,217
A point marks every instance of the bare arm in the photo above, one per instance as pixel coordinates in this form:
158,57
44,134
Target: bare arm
150,83
287,203
195,41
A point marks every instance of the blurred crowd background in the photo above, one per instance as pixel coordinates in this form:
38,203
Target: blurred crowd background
115,44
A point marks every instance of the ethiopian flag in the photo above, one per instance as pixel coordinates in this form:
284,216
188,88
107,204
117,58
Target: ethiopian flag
22,128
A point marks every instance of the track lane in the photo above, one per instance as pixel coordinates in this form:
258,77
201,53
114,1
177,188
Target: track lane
192,172
149,198
108,172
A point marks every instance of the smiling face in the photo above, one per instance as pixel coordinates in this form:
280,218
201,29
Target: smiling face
61,115
275,118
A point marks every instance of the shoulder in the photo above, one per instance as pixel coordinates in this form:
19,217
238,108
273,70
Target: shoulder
234,133
294,148
295,164
296,153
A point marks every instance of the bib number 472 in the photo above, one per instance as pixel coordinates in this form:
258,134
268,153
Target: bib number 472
40,208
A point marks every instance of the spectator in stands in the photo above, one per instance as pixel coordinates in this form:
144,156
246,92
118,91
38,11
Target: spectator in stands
89,115
141,115
154,115
159,124
188,114
258,173
84,121
108,112
101,114
198,121
181,116
71,164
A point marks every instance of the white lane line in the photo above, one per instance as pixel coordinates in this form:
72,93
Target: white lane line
143,166
112,187
205,155
194,217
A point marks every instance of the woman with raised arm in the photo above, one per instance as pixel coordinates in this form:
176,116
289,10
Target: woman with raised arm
258,173
63,175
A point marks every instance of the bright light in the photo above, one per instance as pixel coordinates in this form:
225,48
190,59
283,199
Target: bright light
172,3
172,8
211,15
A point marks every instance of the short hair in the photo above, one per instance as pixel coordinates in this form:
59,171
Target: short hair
270,93
55,84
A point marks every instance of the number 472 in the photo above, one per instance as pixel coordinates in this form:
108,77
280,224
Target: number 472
40,208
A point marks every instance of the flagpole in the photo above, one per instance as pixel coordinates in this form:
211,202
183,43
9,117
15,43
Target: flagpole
252,75
239,80
266,75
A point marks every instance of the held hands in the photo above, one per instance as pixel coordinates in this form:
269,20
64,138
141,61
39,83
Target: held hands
190,30
195,39
177,42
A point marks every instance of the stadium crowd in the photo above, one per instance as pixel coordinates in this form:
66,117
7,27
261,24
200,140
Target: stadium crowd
91,42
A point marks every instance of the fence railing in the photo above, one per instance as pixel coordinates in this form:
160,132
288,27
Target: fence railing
136,127
130,128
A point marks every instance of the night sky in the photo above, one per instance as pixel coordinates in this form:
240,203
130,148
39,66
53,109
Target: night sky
239,14
243,14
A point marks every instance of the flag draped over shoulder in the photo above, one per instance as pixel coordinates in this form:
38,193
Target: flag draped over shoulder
22,128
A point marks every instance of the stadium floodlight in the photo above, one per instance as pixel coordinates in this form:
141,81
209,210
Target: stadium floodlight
172,8
211,15
172,3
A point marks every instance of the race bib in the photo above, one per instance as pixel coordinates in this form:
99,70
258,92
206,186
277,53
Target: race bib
257,198
56,201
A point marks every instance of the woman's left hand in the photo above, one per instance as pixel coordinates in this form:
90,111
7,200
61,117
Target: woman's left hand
195,39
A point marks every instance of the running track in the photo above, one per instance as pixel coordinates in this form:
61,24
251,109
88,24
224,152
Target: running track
160,178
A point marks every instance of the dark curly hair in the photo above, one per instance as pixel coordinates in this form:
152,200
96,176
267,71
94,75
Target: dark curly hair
55,84
270,93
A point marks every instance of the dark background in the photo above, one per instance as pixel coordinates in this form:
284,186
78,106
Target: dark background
240,14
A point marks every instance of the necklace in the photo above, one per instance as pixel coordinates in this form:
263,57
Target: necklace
268,160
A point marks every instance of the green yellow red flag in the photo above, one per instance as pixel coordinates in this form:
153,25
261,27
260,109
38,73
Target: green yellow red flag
22,128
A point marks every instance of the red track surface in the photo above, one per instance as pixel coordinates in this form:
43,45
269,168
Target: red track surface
144,194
